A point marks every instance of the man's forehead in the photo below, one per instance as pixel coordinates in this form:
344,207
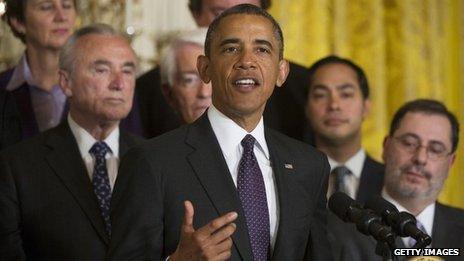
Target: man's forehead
426,126
234,24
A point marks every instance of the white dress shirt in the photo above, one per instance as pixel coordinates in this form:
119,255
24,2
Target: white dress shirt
229,136
355,164
425,217
85,141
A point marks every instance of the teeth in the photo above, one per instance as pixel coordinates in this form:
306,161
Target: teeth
245,82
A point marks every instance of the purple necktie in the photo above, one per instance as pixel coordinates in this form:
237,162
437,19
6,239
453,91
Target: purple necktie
101,181
252,193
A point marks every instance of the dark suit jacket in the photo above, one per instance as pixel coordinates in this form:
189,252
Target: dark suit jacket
371,181
285,110
187,163
48,210
10,125
28,123
447,232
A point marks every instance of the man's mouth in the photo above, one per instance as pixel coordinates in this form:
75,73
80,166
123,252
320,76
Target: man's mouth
246,84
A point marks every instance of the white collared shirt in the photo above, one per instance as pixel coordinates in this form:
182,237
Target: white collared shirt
85,141
425,217
355,165
229,136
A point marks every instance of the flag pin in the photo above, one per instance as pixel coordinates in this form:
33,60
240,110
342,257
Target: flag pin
288,166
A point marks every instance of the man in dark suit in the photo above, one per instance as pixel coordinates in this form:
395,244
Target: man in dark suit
285,110
338,102
226,187
55,188
418,153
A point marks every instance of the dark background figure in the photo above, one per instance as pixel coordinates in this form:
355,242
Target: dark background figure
55,188
418,153
284,111
338,102
43,26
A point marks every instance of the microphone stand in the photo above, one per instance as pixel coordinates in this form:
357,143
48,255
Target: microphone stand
384,250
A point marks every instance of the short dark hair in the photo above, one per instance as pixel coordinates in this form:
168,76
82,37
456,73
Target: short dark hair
195,6
244,9
15,9
427,106
333,59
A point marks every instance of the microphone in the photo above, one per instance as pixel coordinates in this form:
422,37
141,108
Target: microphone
403,223
367,222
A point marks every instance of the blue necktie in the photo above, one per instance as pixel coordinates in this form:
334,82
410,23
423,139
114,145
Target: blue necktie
252,193
101,181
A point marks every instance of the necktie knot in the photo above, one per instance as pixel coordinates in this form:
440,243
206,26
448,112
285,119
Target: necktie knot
99,149
248,142
340,173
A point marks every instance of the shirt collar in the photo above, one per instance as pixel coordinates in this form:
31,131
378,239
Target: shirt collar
354,164
425,217
85,141
21,74
230,134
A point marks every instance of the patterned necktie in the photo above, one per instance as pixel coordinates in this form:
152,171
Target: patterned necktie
101,181
252,193
412,241
340,174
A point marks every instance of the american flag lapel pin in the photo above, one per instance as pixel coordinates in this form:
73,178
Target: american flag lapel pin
288,166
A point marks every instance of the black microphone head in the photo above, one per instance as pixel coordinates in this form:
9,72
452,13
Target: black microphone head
340,204
381,206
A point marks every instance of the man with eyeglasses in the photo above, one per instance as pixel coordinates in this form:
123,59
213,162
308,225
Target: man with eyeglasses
181,85
418,153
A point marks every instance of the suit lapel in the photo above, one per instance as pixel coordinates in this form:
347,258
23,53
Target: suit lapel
371,180
444,230
66,161
211,170
283,194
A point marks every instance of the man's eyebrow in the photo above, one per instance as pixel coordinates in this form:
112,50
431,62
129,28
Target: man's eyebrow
264,42
345,86
229,41
129,64
101,62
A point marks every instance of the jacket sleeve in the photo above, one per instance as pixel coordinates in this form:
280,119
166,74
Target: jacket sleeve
11,246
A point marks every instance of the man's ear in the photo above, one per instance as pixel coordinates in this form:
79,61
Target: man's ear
386,143
284,69
203,68
366,108
65,83
18,26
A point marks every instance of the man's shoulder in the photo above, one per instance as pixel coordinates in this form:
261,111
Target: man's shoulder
5,77
32,149
373,166
286,143
453,214
149,77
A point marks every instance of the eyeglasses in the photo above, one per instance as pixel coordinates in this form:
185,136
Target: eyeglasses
189,79
410,143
